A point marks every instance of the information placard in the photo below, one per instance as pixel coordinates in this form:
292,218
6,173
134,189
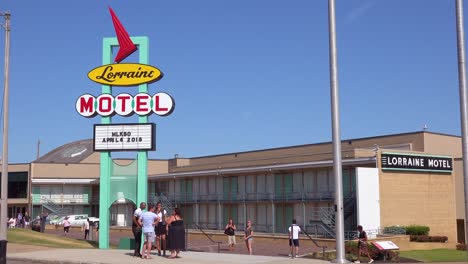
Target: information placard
124,137
385,245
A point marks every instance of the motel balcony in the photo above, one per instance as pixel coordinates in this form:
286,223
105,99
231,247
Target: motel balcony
60,199
189,197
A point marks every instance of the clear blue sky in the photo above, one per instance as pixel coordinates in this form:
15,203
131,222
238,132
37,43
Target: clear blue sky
245,74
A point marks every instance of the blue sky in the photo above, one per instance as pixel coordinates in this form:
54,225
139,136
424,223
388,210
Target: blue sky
245,75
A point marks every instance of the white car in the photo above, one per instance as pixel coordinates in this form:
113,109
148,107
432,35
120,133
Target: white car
79,220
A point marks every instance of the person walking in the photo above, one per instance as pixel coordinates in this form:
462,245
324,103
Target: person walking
148,221
294,230
248,236
136,229
161,229
86,228
229,230
362,245
176,233
66,226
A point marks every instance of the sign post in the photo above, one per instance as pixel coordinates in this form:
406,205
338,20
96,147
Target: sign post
110,137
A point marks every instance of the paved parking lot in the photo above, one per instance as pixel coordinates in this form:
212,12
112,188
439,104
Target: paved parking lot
262,245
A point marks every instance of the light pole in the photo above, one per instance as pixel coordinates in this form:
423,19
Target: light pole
4,193
335,111
463,101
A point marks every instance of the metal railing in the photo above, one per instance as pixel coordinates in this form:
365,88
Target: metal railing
54,208
191,197
39,199
208,236
314,242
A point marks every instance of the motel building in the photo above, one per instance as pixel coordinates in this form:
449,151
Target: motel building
400,179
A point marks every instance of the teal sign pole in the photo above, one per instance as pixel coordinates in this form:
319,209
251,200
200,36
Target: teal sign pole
106,159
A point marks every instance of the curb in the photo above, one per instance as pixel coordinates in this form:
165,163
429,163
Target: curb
51,261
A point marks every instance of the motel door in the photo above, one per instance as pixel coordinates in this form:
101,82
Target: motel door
186,190
230,188
283,186
230,211
187,212
283,217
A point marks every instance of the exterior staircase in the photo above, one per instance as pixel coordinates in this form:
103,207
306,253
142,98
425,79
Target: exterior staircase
165,203
326,225
56,209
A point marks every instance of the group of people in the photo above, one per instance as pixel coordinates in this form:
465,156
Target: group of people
293,234
230,229
19,221
156,225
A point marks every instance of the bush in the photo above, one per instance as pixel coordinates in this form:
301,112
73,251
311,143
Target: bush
417,230
424,238
394,230
462,247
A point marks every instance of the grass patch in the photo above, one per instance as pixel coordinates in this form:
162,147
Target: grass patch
436,255
29,237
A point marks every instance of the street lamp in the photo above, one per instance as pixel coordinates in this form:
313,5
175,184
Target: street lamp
4,180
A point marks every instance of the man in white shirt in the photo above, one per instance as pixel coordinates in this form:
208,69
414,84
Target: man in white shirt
148,221
294,230
136,229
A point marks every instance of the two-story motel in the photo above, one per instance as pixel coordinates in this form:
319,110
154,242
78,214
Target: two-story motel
400,179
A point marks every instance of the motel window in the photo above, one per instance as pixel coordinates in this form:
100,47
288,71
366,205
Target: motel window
161,187
230,188
17,184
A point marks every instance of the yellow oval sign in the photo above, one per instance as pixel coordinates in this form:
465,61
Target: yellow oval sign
125,74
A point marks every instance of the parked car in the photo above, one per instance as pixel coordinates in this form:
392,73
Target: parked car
57,221
36,225
79,220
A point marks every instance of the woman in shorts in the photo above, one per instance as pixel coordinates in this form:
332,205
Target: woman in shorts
248,236
230,232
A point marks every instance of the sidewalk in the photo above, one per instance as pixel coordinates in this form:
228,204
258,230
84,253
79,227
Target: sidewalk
95,256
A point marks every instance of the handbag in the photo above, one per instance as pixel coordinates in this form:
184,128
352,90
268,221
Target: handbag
228,231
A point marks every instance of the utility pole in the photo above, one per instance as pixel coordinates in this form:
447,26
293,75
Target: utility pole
335,111
463,101
38,153
4,193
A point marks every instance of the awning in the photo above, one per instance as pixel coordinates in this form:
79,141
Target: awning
267,168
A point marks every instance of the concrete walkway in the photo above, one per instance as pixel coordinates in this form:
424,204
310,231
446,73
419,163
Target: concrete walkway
43,255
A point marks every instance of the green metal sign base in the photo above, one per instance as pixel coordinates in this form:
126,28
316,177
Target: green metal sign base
106,159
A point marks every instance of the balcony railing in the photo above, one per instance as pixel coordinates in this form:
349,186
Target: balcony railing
38,199
191,197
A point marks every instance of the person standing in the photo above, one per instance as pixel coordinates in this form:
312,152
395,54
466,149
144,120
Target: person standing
19,220
43,221
148,221
362,245
294,230
176,233
86,228
229,230
161,229
66,226
136,229
27,219
248,236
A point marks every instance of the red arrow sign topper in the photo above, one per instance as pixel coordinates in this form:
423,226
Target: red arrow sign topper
127,47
